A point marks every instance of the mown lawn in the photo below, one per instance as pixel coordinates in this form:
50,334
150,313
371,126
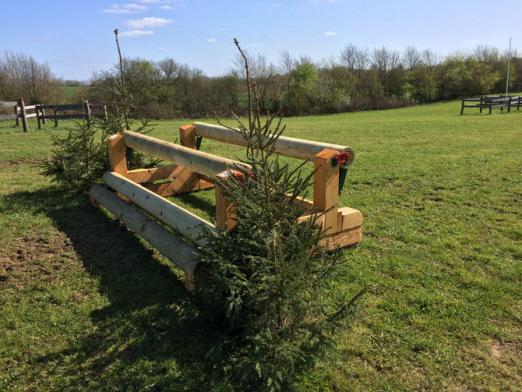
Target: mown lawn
86,305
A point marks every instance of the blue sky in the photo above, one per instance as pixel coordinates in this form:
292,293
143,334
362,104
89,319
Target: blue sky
75,37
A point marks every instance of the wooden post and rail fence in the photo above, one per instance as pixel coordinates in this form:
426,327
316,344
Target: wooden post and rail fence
138,197
489,103
54,112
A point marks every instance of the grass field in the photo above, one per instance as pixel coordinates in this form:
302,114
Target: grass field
86,305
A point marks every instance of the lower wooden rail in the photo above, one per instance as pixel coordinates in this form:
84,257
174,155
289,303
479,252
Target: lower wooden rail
168,244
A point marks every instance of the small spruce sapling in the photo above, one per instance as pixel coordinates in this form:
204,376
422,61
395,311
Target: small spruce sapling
80,159
269,293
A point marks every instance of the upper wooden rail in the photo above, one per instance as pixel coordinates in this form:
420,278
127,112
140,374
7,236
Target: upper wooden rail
200,162
292,147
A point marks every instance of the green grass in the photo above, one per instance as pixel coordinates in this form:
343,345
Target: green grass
86,305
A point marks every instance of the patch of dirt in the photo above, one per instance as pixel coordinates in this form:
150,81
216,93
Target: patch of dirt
19,162
495,349
38,257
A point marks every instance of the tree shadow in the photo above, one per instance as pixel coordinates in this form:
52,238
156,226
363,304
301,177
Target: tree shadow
198,200
151,334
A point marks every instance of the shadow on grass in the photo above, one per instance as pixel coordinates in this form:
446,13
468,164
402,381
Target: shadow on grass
199,201
150,335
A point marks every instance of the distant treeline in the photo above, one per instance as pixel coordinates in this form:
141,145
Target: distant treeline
358,79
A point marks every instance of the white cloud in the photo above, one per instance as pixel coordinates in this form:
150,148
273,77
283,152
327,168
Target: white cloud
129,8
211,40
330,33
149,21
136,33
166,7
149,1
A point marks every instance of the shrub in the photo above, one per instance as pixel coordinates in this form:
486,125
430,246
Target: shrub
80,159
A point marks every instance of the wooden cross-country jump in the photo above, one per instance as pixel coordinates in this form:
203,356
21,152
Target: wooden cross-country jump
138,197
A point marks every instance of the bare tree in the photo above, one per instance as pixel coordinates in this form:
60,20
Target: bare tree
168,68
362,59
412,58
349,56
380,59
287,67
355,58
486,54
429,58
22,75
394,60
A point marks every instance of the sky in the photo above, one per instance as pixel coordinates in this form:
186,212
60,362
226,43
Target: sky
75,36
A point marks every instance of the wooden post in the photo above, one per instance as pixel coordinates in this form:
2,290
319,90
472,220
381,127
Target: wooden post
38,117
105,113
225,214
225,217
490,105
44,121
23,112
326,187
187,136
55,117
117,157
16,114
462,107
87,110
481,103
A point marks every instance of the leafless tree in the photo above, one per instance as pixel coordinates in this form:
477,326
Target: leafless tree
412,58
487,54
429,58
23,76
169,68
355,58
349,56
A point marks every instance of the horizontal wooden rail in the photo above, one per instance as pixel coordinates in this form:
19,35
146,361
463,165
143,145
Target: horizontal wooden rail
292,147
178,218
77,116
76,106
200,162
167,243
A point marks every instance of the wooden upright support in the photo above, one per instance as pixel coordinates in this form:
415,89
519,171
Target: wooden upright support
187,136
38,116
87,110
326,187
117,156
17,115
23,113
55,112
225,217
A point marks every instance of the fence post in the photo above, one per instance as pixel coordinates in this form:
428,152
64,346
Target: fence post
481,104
44,121
55,117
462,107
87,110
16,114
105,114
38,117
490,105
25,124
